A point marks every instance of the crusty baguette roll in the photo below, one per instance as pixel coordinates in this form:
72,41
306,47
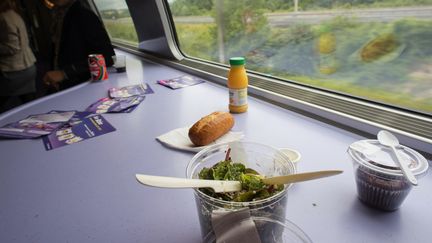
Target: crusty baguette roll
210,128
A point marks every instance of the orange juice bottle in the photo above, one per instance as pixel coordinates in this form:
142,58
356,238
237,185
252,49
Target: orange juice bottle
237,85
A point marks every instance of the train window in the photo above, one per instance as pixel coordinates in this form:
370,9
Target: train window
118,22
377,51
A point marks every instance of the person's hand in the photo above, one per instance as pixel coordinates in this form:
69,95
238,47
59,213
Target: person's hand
54,78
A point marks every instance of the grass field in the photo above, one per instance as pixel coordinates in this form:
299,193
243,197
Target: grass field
404,79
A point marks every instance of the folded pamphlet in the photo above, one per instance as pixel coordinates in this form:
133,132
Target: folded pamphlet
129,91
117,105
180,82
84,126
36,125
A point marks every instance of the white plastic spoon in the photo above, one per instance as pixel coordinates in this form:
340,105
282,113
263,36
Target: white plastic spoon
388,139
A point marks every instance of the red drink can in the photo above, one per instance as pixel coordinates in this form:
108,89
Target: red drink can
97,67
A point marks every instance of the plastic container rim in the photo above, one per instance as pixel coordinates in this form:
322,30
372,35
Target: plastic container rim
420,158
275,197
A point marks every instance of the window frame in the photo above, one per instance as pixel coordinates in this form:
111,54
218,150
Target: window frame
354,114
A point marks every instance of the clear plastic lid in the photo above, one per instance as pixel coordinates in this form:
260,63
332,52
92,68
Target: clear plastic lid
375,156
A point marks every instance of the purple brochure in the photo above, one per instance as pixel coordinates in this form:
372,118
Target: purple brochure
89,127
130,109
180,82
118,105
132,90
36,125
76,118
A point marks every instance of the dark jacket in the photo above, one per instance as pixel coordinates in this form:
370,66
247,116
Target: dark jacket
82,34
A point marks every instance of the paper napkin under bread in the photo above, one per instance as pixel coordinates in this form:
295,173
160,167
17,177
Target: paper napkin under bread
179,139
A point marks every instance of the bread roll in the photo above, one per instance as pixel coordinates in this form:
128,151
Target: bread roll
210,128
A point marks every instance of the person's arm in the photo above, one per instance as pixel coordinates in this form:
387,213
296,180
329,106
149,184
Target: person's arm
96,41
9,39
55,79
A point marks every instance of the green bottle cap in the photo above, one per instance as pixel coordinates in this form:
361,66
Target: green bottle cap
237,61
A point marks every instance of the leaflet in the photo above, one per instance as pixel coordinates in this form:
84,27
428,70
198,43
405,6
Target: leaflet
89,127
129,91
76,118
117,105
36,125
180,82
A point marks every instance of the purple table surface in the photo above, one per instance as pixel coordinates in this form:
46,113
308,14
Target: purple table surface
87,192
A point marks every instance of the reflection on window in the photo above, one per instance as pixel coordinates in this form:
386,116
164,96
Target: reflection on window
376,49
116,17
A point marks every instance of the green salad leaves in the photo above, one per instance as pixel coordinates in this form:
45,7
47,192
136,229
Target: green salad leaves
253,187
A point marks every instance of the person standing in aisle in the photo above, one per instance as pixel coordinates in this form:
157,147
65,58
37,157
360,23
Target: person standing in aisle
76,33
17,61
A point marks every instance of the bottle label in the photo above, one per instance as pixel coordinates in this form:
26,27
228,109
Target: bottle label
238,97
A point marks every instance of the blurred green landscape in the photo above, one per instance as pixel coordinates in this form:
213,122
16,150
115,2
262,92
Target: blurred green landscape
397,70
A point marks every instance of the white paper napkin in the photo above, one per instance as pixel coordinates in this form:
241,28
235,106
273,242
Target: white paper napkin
234,226
179,139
